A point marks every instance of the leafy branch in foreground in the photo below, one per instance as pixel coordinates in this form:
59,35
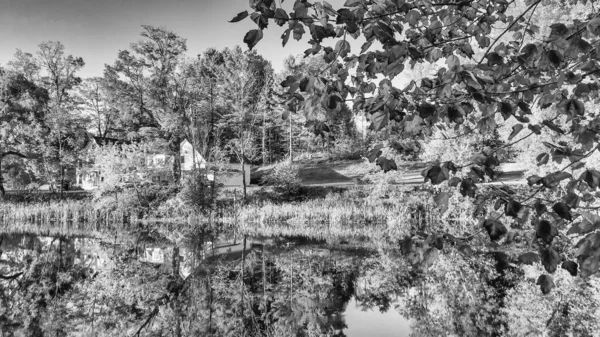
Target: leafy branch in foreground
488,77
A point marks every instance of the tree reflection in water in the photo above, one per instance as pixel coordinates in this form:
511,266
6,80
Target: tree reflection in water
199,284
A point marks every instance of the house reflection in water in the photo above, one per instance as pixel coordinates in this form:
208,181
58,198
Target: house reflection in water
189,258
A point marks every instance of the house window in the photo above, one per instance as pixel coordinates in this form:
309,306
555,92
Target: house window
182,159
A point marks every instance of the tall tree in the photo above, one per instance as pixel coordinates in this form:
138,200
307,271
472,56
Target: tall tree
97,105
22,112
150,76
59,77
243,77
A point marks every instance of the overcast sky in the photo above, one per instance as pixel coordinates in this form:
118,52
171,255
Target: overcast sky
97,29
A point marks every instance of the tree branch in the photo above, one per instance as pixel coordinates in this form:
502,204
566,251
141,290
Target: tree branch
14,153
508,28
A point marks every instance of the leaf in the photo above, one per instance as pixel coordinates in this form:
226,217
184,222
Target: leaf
559,29
281,17
289,81
373,154
426,110
515,131
563,210
379,120
590,223
512,208
285,37
534,180
441,200
540,208
453,61
468,188
570,266
591,177
554,57
553,127
386,164
252,37
571,199
573,108
494,59
553,179
454,181
542,159
546,231
478,159
436,174
241,16
506,109
550,259
529,258
342,48
546,284
535,129
495,229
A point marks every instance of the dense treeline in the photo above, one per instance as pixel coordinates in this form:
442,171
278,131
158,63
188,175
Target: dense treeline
225,102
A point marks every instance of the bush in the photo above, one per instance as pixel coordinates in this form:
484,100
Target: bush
285,178
197,191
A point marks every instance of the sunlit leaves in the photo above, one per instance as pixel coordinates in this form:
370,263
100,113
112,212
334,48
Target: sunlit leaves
591,177
588,254
546,284
386,164
495,229
570,266
546,231
529,258
550,259
468,188
512,208
515,131
563,210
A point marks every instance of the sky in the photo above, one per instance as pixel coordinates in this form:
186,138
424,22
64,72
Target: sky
97,29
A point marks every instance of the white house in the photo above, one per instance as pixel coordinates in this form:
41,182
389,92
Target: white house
88,175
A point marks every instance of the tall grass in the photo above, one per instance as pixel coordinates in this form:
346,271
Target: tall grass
66,217
382,217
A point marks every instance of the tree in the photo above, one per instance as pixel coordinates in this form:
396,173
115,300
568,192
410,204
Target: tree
59,77
498,80
96,100
22,113
243,78
150,77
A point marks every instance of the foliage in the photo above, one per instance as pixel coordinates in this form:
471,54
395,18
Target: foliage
130,167
498,64
285,178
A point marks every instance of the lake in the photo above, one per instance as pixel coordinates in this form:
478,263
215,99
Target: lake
150,282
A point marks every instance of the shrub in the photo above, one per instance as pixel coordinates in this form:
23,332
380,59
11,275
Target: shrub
285,178
197,191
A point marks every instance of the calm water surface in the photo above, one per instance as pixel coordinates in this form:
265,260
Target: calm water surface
152,283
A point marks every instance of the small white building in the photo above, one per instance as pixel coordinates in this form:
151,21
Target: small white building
89,177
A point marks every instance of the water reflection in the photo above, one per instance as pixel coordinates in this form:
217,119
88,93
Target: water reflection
149,283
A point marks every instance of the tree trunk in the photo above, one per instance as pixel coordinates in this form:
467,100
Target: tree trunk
174,145
291,154
243,174
264,135
242,285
